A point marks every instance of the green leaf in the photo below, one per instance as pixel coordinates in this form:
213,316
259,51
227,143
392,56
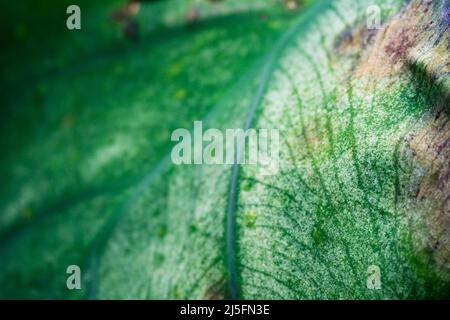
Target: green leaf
87,177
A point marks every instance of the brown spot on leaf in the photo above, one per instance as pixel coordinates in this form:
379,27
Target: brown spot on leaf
218,291
67,121
352,41
431,149
410,31
398,49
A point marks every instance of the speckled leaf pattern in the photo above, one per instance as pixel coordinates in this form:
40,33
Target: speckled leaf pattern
364,157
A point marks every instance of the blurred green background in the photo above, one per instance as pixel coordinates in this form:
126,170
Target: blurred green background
85,114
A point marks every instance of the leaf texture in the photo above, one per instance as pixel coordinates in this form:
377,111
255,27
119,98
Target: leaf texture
363,120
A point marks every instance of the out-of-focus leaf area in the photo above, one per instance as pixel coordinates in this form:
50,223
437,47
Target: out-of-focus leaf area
86,176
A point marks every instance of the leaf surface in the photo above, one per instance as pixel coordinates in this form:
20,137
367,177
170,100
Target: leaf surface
363,120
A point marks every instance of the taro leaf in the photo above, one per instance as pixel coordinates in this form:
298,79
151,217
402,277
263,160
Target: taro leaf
364,173
363,179
86,141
